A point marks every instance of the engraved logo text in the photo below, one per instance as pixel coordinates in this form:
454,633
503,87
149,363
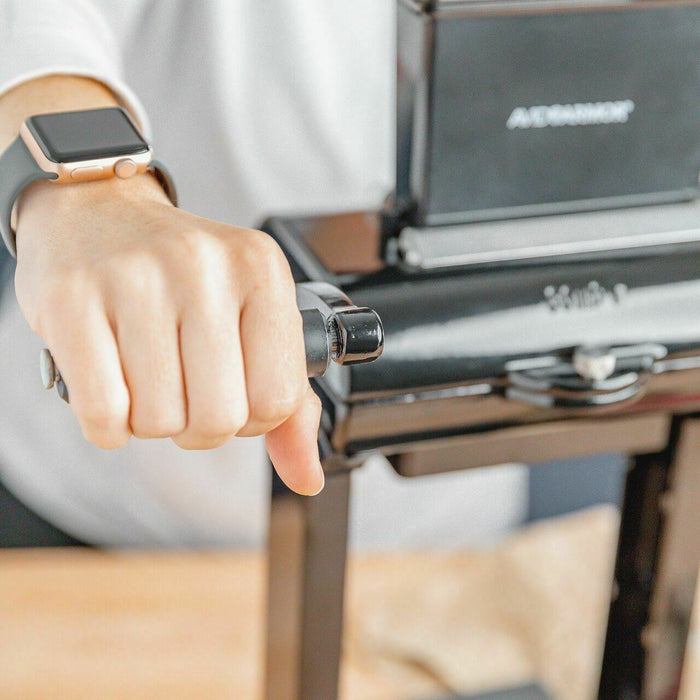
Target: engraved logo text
579,114
593,295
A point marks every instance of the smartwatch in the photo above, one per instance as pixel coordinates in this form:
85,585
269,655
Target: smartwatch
69,147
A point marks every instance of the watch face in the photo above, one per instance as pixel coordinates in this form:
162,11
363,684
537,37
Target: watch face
66,137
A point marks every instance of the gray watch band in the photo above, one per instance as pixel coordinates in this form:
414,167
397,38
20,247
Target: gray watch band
18,169
165,179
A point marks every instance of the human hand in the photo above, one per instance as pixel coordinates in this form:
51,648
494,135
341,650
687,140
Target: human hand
165,324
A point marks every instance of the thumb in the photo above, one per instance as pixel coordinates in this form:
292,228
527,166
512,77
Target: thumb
293,448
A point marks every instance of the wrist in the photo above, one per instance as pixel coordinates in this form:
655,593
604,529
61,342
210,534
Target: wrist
139,187
45,200
144,186
85,159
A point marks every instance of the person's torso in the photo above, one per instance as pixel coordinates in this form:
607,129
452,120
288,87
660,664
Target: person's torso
257,108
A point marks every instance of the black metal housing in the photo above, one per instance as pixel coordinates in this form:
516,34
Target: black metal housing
476,348
515,108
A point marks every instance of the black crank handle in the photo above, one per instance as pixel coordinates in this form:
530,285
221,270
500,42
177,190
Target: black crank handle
334,330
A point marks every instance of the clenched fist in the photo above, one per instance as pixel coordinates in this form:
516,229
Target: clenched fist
165,324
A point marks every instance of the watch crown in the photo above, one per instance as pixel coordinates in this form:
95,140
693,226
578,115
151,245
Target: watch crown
125,168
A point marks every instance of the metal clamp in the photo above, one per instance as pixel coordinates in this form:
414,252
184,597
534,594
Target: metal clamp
584,377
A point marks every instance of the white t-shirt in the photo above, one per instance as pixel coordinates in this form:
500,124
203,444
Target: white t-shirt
257,108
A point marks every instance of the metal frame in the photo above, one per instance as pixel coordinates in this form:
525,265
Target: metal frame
306,574
655,573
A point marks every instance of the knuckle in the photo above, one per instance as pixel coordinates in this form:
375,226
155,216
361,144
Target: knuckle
195,246
315,400
103,423
190,442
58,294
275,407
157,425
271,412
101,416
137,272
107,441
262,251
61,299
262,243
214,425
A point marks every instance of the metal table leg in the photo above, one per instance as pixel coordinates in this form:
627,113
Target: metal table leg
666,634
306,576
655,579
656,571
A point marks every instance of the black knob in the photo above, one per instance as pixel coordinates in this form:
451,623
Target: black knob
359,334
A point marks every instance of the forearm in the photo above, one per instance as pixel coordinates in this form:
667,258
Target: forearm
53,93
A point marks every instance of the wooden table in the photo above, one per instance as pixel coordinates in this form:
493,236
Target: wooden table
87,624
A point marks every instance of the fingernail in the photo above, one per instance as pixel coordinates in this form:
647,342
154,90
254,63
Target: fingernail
323,479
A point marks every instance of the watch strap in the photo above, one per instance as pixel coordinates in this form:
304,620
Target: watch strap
18,169
163,176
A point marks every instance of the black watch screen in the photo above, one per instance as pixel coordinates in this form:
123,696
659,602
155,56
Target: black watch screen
66,137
